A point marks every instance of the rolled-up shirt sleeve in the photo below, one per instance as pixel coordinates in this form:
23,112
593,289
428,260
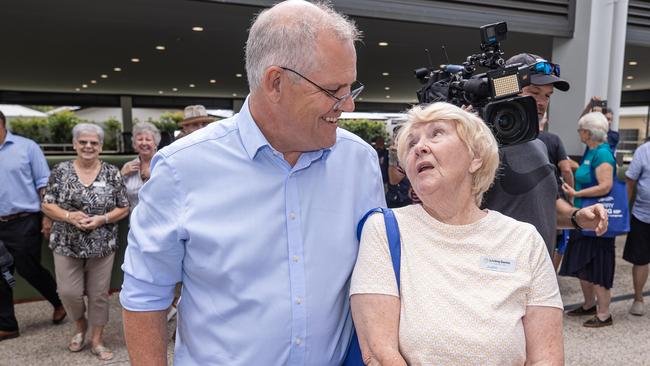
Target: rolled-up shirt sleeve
156,245
40,170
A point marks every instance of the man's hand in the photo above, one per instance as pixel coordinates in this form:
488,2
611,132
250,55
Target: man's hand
46,227
593,217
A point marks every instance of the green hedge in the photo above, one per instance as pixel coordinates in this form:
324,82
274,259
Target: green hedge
366,129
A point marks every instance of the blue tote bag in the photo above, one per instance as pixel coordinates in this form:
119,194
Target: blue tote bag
616,205
354,358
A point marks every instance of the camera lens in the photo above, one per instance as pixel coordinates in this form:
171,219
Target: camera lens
513,120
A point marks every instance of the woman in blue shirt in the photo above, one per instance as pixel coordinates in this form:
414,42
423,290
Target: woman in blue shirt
591,259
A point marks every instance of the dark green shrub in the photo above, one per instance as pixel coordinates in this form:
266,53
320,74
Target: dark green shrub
112,133
33,128
61,125
366,129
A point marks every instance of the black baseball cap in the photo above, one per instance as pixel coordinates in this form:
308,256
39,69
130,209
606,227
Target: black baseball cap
552,76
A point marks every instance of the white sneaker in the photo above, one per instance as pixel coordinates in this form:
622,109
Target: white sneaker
171,313
637,308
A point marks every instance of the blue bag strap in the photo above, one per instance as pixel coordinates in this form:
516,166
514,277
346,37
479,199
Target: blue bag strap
392,233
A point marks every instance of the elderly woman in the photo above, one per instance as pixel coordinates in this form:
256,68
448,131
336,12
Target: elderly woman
85,197
477,287
592,259
136,172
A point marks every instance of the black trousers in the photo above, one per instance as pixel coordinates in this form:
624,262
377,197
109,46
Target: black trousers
22,237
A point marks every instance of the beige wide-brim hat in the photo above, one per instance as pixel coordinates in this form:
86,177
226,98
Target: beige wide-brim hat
196,113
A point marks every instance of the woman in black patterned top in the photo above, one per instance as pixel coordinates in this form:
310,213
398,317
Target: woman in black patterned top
86,198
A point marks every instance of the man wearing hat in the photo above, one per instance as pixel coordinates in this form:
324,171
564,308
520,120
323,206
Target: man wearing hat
196,117
526,188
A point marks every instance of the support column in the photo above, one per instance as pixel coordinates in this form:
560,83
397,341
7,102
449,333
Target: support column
237,104
589,61
126,103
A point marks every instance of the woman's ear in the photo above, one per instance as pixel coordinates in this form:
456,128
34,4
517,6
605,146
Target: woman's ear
475,164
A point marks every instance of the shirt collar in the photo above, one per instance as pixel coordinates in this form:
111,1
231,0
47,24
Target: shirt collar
253,139
8,138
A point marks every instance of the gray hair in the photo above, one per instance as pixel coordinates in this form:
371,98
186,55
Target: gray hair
142,127
597,125
87,128
286,36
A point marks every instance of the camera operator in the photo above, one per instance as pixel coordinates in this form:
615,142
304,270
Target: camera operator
526,188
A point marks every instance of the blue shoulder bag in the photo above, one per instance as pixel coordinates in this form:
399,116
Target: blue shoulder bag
616,205
354,358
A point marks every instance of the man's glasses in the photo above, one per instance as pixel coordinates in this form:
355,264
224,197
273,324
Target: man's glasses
546,68
355,89
91,143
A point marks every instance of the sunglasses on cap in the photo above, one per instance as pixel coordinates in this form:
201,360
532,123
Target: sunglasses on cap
546,68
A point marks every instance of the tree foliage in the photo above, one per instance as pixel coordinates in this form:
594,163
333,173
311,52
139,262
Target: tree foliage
366,129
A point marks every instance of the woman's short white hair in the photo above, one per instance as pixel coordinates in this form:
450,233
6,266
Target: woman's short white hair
286,35
597,125
87,129
471,130
146,127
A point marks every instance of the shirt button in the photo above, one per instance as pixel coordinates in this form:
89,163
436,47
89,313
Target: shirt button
295,258
298,341
298,300
292,216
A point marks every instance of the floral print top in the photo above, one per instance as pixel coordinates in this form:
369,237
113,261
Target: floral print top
105,193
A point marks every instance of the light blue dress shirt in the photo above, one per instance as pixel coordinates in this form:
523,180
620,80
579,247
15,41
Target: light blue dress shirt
639,170
264,250
23,171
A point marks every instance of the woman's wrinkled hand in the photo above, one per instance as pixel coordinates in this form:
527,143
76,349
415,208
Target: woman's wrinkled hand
130,168
76,218
569,190
92,222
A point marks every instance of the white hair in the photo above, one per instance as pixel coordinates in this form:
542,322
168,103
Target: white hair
87,129
286,35
597,125
471,130
146,127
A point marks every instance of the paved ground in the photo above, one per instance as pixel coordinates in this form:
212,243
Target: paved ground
625,343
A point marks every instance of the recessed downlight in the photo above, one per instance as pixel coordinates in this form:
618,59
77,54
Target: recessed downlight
630,77
84,86
160,48
238,75
192,85
77,89
93,81
197,29
118,69
135,60
175,89
385,74
628,86
212,81
387,88
234,94
160,92
382,44
632,63
388,97
103,76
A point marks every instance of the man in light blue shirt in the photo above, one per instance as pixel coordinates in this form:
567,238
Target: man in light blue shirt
256,214
23,175
637,243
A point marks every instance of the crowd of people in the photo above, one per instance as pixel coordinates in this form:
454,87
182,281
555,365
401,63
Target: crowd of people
257,217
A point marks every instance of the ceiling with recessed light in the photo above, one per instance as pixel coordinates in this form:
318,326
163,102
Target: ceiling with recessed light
195,48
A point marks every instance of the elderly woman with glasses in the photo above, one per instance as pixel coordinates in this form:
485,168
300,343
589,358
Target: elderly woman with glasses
476,287
592,259
86,198
136,172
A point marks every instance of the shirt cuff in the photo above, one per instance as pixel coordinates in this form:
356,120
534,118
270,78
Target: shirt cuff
137,295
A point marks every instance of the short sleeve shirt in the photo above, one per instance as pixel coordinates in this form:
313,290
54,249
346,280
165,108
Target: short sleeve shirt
455,310
592,159
105,194
639,170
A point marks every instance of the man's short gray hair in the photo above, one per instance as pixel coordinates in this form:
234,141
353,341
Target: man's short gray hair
597,125
282,36
87,128
142,127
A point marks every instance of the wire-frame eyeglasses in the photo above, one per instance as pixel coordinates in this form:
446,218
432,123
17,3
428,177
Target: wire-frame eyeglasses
355,89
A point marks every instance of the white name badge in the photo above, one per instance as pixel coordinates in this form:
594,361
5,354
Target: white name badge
99,184
498,264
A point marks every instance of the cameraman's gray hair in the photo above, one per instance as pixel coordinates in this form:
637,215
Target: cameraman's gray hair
149,127
87,129
285,35
597,125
